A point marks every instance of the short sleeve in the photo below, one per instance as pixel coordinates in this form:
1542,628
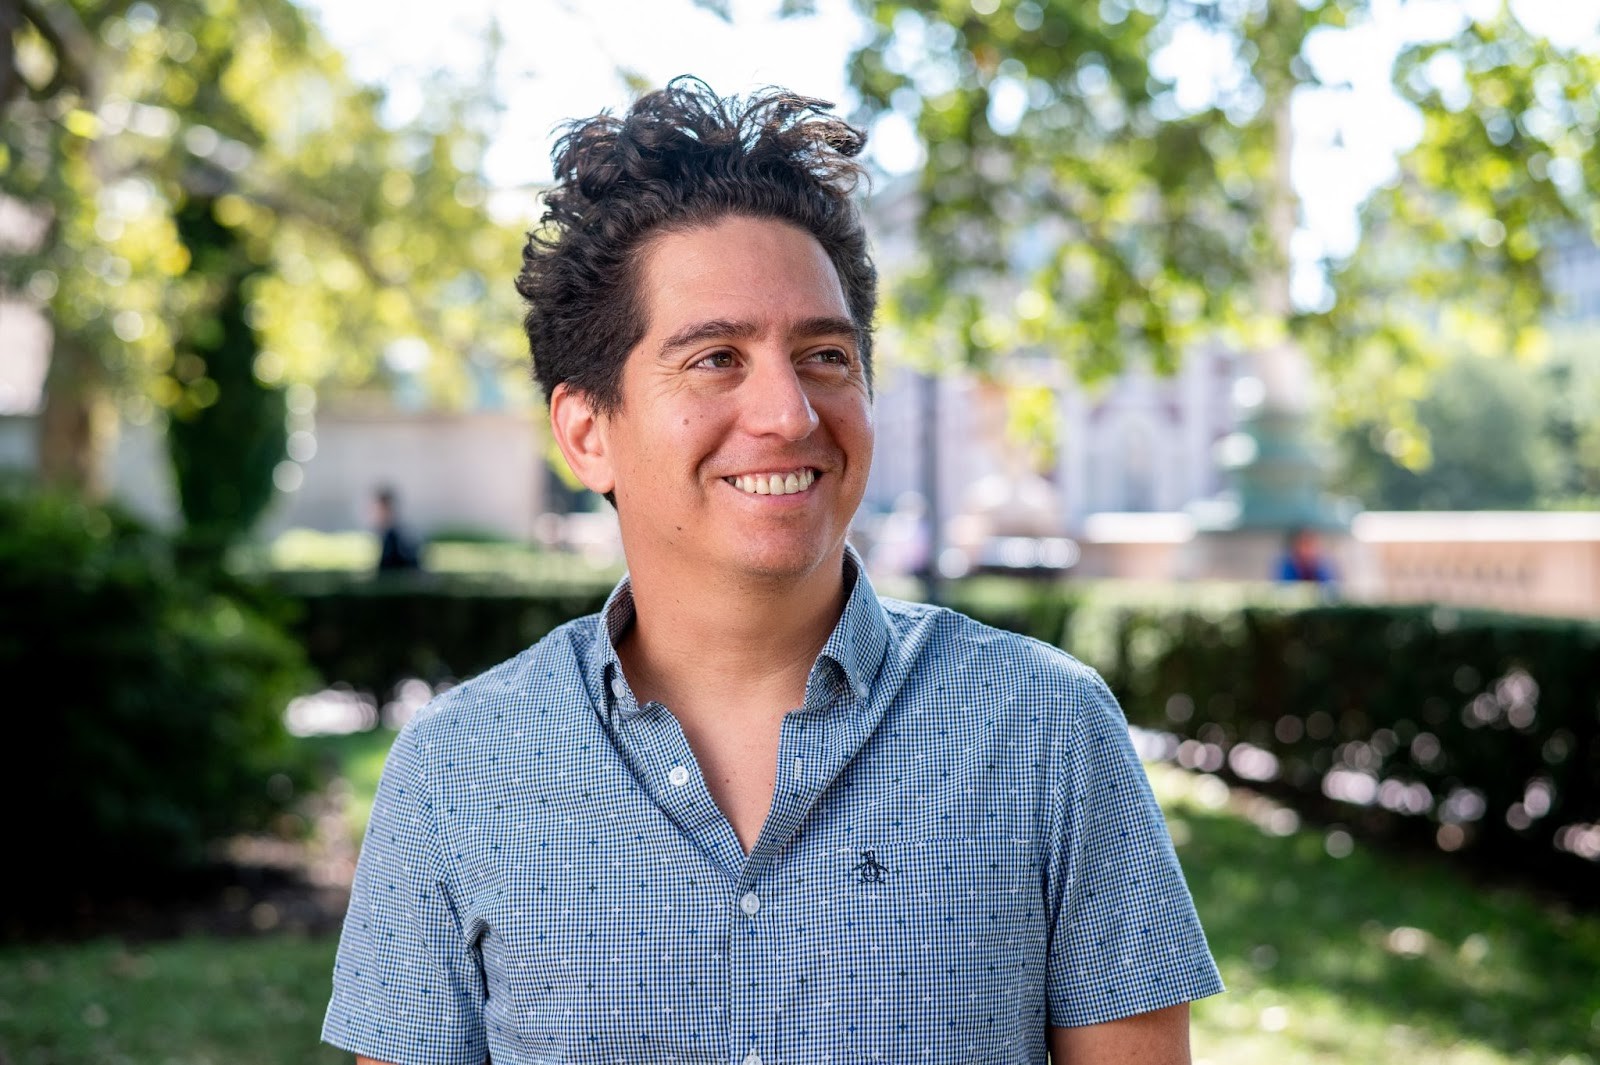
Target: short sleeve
1124,936
408,985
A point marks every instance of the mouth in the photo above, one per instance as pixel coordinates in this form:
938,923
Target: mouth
776,483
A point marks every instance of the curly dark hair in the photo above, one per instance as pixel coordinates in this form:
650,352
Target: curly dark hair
681,158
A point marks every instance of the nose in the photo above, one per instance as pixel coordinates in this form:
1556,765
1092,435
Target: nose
775,402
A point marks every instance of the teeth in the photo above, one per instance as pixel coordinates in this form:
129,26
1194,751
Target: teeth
774,484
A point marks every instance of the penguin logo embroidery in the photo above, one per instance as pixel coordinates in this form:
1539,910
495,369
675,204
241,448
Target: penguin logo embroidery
870,871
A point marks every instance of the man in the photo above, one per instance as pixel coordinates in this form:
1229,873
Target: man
751,813
396,551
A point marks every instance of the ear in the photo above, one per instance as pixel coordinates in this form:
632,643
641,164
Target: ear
578,432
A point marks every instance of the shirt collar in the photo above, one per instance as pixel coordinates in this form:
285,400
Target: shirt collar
854,651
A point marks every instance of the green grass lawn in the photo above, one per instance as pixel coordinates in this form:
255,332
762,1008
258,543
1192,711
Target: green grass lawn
189,1002
354,554
353,763
1372,957
1366,958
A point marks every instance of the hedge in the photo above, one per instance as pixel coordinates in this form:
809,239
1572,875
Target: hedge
1474,732
372,633
1471,732
149,713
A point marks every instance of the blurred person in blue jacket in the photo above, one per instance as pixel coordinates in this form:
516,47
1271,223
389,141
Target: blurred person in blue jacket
1304,560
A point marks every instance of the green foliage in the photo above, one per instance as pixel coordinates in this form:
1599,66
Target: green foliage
1488,433
1474,731
1454,251
1071,203
1067,203
1486,425
366,235
224,440
373,634
1038,609
470,534
1572,378
1420,703
155,720
355,759
461,558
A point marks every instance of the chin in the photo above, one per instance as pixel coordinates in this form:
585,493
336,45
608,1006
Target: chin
784,562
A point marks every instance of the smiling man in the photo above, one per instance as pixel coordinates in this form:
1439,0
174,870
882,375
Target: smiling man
751,812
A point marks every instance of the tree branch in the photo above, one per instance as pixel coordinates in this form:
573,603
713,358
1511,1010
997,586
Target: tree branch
69,39
10,76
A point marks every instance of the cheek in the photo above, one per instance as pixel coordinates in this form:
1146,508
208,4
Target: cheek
851,420
686,436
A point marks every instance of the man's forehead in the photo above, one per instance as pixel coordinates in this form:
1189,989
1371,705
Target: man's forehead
738,278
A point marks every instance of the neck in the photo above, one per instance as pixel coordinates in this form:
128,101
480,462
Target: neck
751,644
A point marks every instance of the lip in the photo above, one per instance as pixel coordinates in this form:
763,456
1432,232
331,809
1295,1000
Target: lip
781,471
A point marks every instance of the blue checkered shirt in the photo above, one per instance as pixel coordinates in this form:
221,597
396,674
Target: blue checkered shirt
962,850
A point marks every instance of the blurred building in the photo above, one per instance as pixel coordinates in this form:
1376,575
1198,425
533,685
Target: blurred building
1142,443
1138,472
1532,562
1139,443
479,471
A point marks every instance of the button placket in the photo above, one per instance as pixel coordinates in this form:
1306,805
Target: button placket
750,974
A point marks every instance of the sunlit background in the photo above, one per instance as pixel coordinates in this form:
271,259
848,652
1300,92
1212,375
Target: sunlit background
1247,349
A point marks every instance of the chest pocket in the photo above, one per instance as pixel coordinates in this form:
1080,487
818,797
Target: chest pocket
952,932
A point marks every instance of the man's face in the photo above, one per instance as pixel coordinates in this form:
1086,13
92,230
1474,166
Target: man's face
743,440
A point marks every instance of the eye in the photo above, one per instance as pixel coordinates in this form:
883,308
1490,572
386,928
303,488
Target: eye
831,357
717,360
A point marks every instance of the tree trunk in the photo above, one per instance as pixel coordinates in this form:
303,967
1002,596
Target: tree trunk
74,422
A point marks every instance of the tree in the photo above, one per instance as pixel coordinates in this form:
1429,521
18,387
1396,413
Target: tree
1078,197
1486,423
117,115
1066,201
227,439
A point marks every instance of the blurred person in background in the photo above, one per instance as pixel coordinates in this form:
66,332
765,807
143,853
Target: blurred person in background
751,812
1303,559
396,550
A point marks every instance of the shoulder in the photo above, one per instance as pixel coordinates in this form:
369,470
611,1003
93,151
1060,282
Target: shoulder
938,634
545,681
968,659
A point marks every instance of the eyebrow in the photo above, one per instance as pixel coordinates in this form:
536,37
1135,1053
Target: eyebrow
738,329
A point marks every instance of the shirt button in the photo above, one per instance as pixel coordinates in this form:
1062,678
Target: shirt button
619,689
750,904
751,1058
677,776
